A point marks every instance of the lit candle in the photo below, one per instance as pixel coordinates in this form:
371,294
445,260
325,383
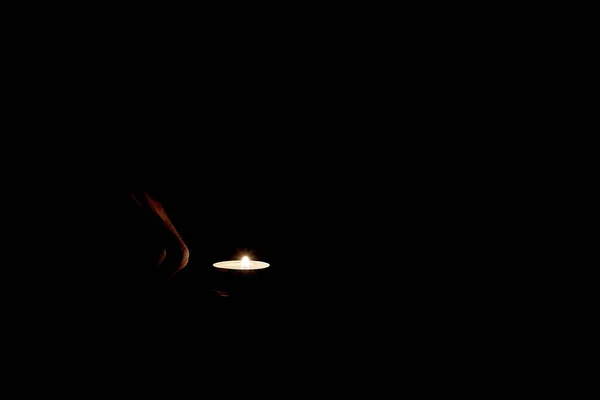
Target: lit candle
240,278
244,264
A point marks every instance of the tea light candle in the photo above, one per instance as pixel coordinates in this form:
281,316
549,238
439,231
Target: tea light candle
244,264
243,278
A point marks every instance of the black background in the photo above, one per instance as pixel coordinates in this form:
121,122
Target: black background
324,163
339,160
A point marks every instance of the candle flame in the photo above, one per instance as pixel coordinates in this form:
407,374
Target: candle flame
245,262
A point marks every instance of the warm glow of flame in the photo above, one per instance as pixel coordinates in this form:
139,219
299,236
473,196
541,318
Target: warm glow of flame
245,262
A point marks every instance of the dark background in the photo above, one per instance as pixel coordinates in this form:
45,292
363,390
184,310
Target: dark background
361,153
327,163
340,159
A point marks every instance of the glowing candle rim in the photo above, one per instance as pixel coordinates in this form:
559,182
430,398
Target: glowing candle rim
237,265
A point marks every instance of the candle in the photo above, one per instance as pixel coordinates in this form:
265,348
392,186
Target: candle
241,278
244,264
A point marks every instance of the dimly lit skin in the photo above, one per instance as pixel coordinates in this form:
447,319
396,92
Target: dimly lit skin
175,254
